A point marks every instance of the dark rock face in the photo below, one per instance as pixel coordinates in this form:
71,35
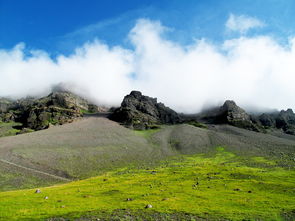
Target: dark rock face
267,120
286,121
142,112
5,105
58,107
232,114
66,100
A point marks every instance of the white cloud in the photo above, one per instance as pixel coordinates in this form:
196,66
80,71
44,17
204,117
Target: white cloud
242,23
252,71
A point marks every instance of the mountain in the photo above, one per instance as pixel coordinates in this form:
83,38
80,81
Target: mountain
145,173
142,112
59,107
230,113
137,111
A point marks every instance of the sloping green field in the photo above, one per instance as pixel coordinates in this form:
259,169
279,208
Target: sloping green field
189,187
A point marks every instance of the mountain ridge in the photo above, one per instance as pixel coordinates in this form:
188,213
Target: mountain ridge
136,111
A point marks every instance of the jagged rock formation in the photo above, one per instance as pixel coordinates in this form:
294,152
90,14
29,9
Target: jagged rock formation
136,111
284,120
229,113
232,114
58,107
4,104
267,120
142,112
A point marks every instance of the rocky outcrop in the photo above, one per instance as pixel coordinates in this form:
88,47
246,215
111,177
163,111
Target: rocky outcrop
286,121
142,112
229,113
56,108
267,120
59,107
232,114
4,105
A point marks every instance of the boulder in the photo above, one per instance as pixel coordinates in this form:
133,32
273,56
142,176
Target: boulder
142,112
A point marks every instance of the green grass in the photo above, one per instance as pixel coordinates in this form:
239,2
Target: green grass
9,178
146,133
6,129
217,187
197,124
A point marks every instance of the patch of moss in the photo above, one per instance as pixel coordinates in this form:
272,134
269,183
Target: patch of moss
197,124
146,133
7,128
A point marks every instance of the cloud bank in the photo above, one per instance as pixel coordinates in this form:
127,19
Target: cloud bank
242,23
255,71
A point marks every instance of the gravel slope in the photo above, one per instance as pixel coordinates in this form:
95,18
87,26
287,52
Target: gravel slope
93,145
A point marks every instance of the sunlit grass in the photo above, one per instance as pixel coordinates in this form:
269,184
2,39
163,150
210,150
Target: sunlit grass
216,187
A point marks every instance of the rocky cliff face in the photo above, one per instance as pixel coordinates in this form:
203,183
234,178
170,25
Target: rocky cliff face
58,107
4,105
142,112
284,120
231,113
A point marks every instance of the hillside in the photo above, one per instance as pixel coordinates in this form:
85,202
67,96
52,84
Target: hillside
81,149
90,146
195,187
229,166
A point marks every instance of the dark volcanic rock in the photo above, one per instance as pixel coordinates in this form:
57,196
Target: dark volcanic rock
4,105
267,120
5,114
56,108
66,100
285,118
286,121
230,113
142,112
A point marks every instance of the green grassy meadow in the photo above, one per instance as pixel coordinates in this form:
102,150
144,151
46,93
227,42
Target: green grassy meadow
215,187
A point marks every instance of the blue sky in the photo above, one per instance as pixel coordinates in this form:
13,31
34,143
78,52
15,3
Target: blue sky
59,26
187,53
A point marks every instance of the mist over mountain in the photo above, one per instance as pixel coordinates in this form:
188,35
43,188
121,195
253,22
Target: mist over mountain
256,72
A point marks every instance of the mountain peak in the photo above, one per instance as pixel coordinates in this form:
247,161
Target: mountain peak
143,112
